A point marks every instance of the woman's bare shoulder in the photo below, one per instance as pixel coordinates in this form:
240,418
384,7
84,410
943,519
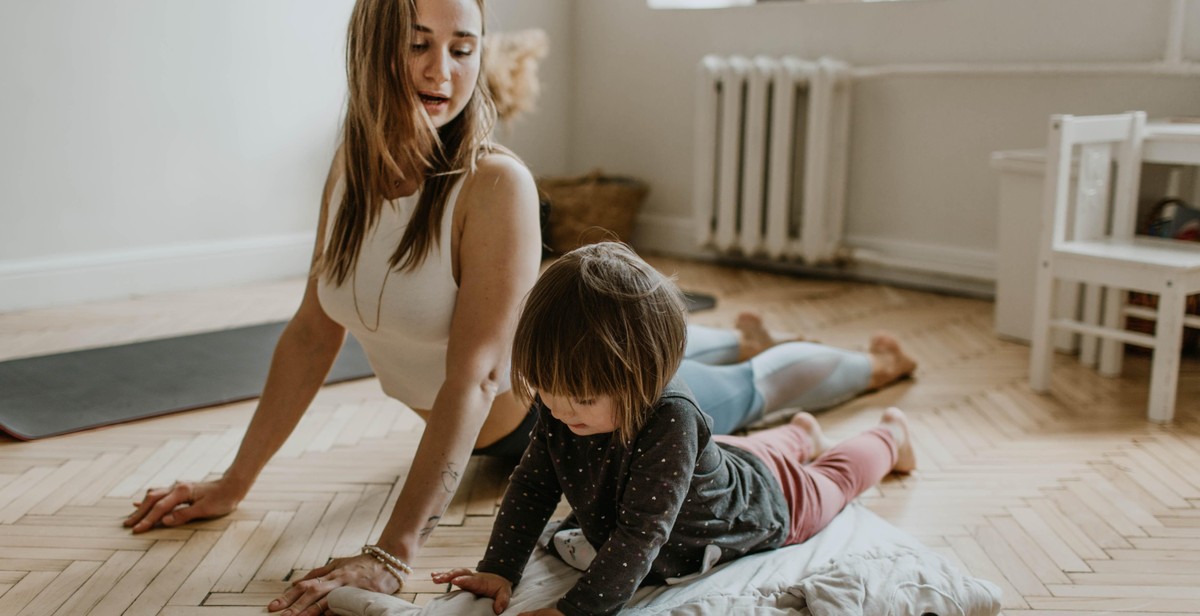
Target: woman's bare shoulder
501,166
500,179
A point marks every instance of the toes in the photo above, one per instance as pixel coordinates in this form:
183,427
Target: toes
897,422
749,319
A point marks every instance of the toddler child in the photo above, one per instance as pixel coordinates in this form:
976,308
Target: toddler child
598,342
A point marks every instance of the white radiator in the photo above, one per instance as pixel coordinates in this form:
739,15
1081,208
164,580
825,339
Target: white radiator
770,158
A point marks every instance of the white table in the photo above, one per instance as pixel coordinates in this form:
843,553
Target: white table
1176,143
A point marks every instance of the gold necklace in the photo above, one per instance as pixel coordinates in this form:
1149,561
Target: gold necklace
378,300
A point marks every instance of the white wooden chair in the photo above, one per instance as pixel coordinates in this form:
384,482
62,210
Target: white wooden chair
1090,239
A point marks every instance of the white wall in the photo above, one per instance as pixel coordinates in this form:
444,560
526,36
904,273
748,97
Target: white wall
541,136
153,146
149,146
920,186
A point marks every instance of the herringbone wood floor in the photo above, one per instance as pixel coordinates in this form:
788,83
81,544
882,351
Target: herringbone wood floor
1073,503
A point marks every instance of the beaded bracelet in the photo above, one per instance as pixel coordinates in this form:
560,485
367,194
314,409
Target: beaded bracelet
392,564
385,556
394,573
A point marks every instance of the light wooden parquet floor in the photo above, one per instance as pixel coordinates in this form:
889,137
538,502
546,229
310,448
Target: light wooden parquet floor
1072,503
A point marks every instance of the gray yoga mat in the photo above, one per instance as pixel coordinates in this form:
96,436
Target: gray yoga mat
66,392
697,302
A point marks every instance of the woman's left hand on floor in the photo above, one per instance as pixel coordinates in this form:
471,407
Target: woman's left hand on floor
306,596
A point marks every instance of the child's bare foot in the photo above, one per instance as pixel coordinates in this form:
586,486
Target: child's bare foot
756,338
897,422
808,423
888,361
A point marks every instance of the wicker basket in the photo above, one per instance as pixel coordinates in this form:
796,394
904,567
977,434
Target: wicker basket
591,208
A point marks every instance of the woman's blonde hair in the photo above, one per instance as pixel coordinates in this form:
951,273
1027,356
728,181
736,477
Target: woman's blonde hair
387,137
601,321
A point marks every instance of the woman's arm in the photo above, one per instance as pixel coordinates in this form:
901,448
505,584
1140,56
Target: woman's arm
303,356
498,252
532,495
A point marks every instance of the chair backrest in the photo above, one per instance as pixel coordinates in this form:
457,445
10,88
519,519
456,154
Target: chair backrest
1100,207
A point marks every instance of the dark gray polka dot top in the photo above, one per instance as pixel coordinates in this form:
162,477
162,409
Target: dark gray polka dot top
650,508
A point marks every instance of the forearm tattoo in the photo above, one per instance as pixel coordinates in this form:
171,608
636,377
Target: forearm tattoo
450,477
430,524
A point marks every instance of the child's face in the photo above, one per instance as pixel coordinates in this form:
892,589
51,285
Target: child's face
584,417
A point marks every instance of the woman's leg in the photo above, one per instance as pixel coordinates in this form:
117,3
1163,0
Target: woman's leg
791,375
888,361
716,346
725,393
710,345
756,338
814,377
809,376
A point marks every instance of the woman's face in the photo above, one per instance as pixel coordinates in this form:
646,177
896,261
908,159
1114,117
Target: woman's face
445,54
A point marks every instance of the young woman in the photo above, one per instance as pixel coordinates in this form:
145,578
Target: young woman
428,239
596,349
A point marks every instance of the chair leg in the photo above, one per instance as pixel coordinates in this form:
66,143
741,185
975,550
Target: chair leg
1041,354
1168,342
1089,345
1112,352
1067,305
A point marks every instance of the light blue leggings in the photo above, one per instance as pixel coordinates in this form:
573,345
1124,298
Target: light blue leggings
801,375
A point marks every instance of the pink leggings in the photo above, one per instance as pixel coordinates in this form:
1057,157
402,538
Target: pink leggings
817,491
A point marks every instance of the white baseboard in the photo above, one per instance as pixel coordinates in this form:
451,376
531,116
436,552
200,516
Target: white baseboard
668,235
71,279
912,256
944,268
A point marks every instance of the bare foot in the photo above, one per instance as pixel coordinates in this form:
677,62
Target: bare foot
755,336
809,424
888,361
895,420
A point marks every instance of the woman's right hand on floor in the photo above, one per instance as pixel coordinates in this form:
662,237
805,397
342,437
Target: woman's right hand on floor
207,499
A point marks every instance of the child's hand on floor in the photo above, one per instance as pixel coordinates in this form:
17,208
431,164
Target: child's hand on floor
479,584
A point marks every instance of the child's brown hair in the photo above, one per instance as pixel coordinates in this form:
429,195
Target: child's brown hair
601,321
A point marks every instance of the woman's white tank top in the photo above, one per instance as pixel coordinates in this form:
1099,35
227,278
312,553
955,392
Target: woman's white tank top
401,318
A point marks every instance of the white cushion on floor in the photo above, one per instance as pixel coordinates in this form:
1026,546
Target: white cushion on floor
766,583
